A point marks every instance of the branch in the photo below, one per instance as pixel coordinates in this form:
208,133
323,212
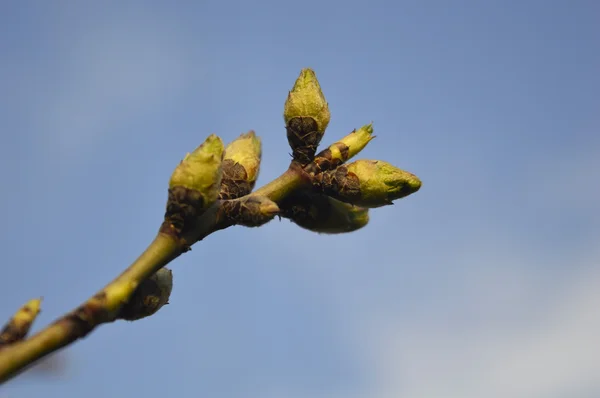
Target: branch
101,308
105,306
210,190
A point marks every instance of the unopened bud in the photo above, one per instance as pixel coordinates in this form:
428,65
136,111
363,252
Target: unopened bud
241,165
342,150
201,170
368,183
17,328
323,214
150,296
195,184
306,116
249,211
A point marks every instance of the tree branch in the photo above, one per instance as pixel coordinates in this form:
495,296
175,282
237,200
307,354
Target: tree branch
210,190
105,305
101,308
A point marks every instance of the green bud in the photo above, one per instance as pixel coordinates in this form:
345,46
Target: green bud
342,150
368,183
17,328
323,214
150,296
194,185
249,211
306,116
241,165
201,170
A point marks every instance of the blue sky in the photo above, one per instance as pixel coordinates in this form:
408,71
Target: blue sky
484,283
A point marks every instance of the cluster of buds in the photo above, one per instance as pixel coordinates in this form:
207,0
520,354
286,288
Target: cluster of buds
334,197
212,189
214,175
335,200
340,194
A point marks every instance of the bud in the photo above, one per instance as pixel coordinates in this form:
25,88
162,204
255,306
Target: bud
149,297
195,184
241,165
323,214
17,328
250,211
201,169
342,150
368,183
306,116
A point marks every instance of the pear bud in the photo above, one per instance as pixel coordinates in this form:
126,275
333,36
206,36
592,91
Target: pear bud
306,115
194,185
241,165
342,150
17,328
201,170
150,296
249,211
368,183
323,214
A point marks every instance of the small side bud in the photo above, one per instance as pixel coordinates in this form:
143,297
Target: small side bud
306,115
323,214
241,165
17,328
342,150
249,211
150,296
195,184
368,183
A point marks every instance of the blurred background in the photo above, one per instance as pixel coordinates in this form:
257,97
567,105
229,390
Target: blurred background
485,283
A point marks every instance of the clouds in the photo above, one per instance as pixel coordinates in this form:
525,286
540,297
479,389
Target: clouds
547,350
554,355
500,327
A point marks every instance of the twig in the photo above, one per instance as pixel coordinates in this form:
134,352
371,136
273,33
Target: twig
210,190
105,305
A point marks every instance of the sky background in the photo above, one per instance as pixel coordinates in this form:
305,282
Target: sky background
485,283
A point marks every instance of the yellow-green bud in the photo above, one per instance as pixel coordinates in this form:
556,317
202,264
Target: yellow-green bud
368,183
149,297
249,211
194,186
241,165
306,116
342,150
201,170
323,214
17,328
